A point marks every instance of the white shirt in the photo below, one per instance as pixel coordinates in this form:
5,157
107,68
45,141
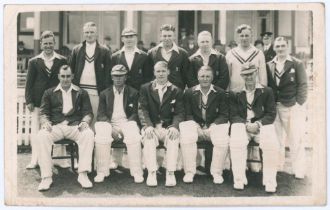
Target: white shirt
205,98
90,49
205,58
162,89
279,67
167,54
266,47
49,61
249,98
118,115
129,55
66,97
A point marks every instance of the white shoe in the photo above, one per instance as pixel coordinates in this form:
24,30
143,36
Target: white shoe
62,164
152,179
299,176
170,179
270,188
239,186
138,178
45,184
31,166
99,177
217,179
84,180
188,178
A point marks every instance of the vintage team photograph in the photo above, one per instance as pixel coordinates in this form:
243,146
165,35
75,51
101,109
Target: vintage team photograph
165,105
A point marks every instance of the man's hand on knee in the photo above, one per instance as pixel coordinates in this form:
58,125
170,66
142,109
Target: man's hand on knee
252,128
149,132
173,133
82,126
47,126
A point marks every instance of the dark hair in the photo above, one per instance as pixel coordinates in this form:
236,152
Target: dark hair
206,68
167,27
65,68
258,41
161,63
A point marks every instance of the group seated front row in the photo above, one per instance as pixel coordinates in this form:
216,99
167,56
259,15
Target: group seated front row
165,115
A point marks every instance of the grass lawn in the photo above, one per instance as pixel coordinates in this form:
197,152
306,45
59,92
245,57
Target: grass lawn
120,183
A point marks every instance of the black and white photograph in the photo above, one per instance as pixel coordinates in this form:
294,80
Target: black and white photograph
165,105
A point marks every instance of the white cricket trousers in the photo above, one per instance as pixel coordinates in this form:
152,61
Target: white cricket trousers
150,149
269,145
59,150
45,140
188,142
104,139
290,121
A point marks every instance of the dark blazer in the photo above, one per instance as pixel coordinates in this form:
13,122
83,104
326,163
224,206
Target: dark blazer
217,106
293,84
105,109
141,72
216,62
263,106
38,80
270,53
52,106
102,64
169,113
178,65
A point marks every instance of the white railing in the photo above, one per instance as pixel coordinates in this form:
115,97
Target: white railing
23,120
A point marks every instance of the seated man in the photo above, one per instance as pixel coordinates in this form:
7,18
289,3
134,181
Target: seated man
252,116
117,118
160,112
207,119
65,112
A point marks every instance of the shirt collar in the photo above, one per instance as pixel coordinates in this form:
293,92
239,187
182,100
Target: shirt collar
174,47
258,85
91,45
158,86
72,87
198,88
199,52
116,91
136,50
42,56
288,58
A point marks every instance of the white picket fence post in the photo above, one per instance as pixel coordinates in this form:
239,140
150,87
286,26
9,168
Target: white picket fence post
23,120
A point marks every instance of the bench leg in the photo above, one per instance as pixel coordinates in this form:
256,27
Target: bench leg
208,158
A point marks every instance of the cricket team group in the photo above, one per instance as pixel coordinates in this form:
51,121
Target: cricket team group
165,97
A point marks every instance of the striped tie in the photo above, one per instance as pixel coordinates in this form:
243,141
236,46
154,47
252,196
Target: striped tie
48,71
249,106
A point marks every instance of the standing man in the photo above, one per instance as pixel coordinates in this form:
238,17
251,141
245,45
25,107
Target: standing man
160,112
252,116
287,78
176,57
90,63
42,74
65,112
207,56
207,114
134,60
268,45
117,118
245,53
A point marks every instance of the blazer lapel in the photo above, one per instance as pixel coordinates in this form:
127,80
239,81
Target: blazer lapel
174,57
166,95
154,94
257,93
287,66
123,59
135,59
111,100
198,100
242,98
212,59
96,54
42,66
211,98
126,94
